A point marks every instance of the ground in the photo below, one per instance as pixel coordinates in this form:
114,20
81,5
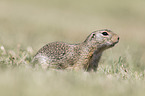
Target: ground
27,25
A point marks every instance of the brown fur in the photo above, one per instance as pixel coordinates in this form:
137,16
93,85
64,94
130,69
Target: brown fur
85,55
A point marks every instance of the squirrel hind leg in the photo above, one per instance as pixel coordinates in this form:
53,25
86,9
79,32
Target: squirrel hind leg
41,61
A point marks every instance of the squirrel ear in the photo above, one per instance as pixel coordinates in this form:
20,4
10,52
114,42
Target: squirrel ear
93,36
90,37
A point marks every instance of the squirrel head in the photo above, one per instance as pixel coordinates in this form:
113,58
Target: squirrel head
102,39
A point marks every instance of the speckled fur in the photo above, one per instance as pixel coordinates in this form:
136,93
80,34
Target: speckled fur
85,55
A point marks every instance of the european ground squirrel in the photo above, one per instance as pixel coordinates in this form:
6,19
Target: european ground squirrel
85,55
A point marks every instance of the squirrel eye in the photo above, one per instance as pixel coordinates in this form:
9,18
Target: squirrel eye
105,33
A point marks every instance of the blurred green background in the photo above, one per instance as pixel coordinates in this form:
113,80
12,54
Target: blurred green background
37,22
34,23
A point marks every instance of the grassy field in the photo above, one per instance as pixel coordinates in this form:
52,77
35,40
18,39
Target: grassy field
27,25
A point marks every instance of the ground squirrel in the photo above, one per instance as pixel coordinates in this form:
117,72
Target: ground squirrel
85,55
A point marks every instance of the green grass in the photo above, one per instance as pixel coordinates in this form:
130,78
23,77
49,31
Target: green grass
19,79
26,25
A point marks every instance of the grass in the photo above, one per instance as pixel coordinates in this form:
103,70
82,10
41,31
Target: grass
26,25
19,79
